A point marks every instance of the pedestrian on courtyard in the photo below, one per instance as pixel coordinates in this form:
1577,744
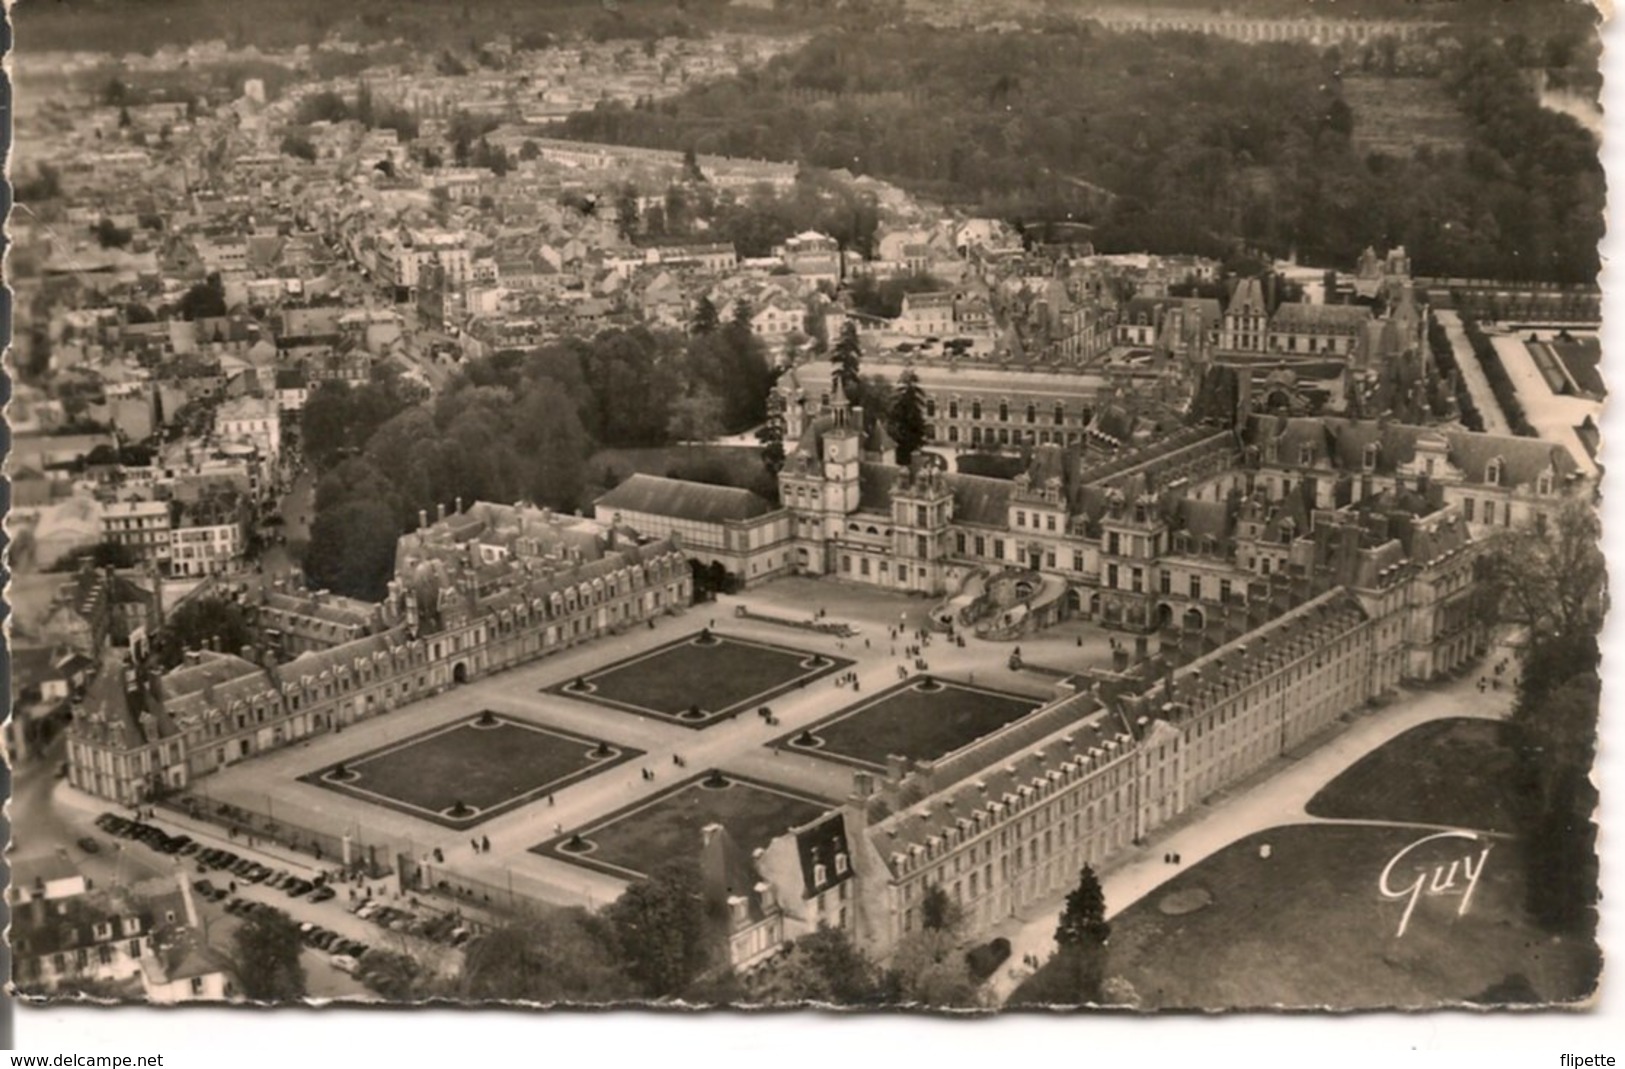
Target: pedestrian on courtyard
485,844
550,799
865,643
558,829
475,843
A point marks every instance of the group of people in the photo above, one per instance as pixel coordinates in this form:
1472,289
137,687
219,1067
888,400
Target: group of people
847,679
1493,682
482,845
1170,859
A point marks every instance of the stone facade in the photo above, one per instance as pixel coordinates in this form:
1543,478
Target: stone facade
455,612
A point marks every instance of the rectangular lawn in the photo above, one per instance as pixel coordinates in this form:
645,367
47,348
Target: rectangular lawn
633,841
919,724
489,768
719,674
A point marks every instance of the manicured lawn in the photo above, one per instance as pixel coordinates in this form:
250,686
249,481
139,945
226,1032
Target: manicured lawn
727,676
1308,927
1453,772
634,841
918,724
492,769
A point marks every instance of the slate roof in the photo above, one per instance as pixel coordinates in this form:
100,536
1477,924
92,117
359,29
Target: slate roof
680,499
819,843
981,500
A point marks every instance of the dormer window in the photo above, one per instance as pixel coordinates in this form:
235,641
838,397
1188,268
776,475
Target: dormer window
840,864
1492,473
820,874
1369,461
1306,454
1543,484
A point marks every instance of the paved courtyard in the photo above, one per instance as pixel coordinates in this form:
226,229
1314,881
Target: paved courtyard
279,783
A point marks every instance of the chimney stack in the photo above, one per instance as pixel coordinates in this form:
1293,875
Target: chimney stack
440,511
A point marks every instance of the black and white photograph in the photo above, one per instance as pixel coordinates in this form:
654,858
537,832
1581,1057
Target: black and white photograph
949,507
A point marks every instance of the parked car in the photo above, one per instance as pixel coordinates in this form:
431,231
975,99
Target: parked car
89,845
203,887
297,887
322,894
346,964
257,873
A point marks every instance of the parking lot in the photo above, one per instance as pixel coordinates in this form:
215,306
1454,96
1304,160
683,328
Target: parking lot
356,928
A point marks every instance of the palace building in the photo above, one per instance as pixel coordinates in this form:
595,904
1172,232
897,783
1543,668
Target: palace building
477,591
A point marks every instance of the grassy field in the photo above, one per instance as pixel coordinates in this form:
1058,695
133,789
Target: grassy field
922,725
1308,928
493,769
1445,772
724,465
1396,116
729,676
636,840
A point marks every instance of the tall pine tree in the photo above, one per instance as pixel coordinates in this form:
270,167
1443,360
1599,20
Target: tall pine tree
908,427
1081,938
705,317
846,362
771,434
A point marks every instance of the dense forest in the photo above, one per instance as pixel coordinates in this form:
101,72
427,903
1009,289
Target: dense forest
1168,143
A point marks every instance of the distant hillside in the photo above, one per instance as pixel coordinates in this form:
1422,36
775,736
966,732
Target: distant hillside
117,26
1174,142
